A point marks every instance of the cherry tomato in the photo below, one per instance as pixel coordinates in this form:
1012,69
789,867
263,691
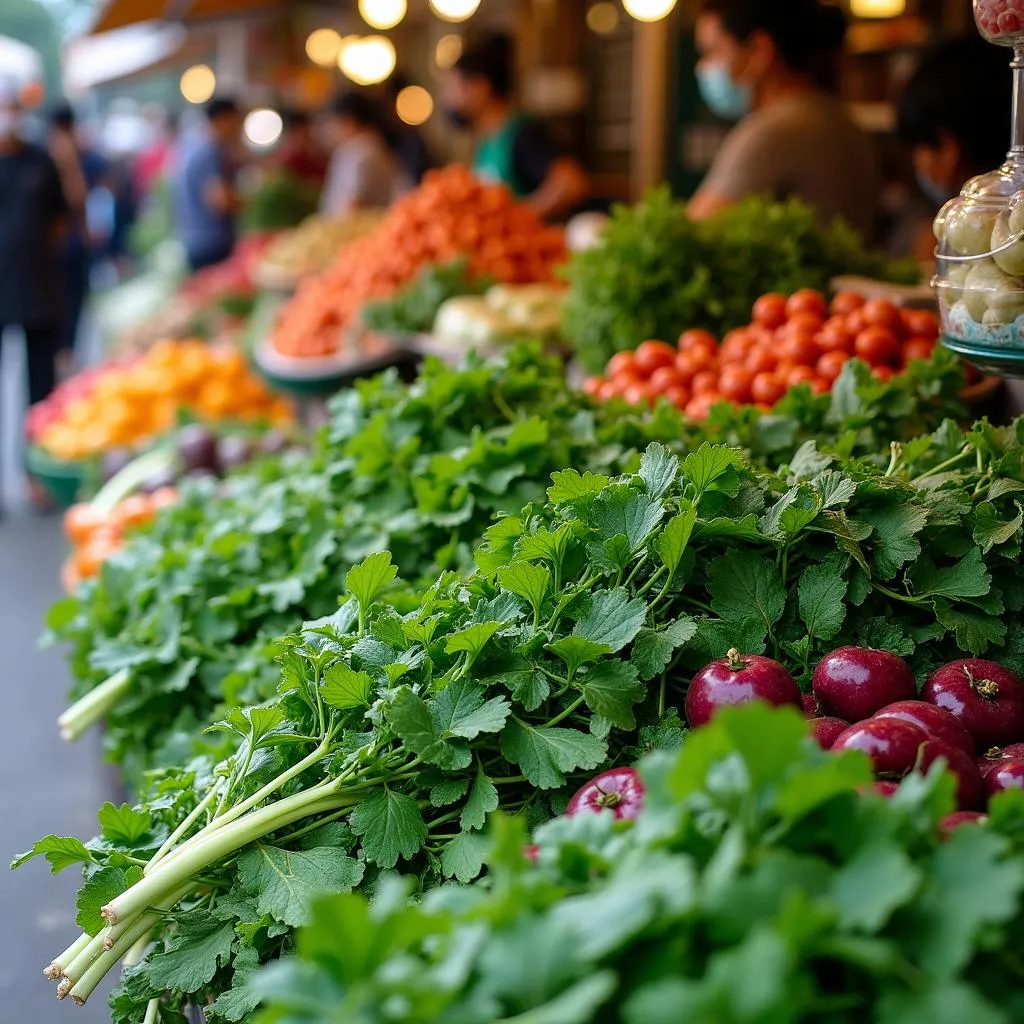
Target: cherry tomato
799,375
877,346
760,359
830,365
734,383
770,310
803,323
678,396
807,300
635,394
90,558
696,336
845,303
883,373
652,355
767,388
607,390
624,379
686,366
134,510
699,406
800,350
592,385
81,521
736,344
919,323
663,378
760,335
704,353
704,382
820,386
917,348
882,313
836,336
621,362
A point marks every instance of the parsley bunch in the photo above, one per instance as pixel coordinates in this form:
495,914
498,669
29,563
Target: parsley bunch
757,885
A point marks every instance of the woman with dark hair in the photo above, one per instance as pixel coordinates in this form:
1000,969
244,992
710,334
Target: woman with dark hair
510,149
768,64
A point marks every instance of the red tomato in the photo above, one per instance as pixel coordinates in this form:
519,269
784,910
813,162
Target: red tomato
770,310
836,336
804,323
820,386
621,362
663,378
704,353
760,359
736,344
607,390
919,323
621,381
760,335
882,313
696,336
800,350
592,385
686,366
81,521
845,303
652,355
734,382
767,388
807,300
700,405
799,375
830,365
883,373
134,510
877,346
635,394
678,396
705,382
917,348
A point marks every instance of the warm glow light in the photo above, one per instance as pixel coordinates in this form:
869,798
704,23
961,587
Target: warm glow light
603,18
382,14
648,10
454,10
262,127
323,47
414,104
449,50
198,83
877,8
367,60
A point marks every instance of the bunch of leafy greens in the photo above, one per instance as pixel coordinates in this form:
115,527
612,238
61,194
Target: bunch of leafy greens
657,273
413,309
393,735
757,885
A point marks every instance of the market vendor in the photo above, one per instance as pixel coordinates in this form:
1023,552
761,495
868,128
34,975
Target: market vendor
769,65
510,148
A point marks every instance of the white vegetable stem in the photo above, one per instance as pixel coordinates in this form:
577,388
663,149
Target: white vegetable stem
87,711
56,969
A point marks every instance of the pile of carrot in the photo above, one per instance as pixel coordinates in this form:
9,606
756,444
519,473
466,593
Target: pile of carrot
450,214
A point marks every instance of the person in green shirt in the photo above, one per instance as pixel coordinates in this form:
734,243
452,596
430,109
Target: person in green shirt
511,149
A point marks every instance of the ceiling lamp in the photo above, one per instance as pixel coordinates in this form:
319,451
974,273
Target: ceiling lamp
448,51
414,105
603,18
263,127
382,14
454,10
648,10
368,60
198,83
877,8
323,47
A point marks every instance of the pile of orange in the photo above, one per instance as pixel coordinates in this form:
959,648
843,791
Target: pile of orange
95,534
449,215
138,400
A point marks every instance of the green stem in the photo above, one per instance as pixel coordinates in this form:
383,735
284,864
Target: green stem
152,1011
95,705
641,562
192,818
77,967
650,583
943,466
896,596
566,713
56,969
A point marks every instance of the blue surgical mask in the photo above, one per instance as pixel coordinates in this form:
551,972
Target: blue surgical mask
725,97
938,194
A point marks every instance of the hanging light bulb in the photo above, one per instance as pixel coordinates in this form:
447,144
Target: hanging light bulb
414,105
877,8
448,51
383,14
262,127
603,18
323,46
368,60
454,10
648,10
198,83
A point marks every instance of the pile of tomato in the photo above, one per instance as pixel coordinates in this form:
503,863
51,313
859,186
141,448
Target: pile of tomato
795,340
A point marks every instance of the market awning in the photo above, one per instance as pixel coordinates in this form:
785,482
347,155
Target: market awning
96,60
120,13
19,61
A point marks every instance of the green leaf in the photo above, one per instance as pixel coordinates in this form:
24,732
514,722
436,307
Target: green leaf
967,578
613,618
622,510
472,639
460,710
895,534
610,555
344,689
975,630
808,461
412,721
367,580
285,882
462,858
60,852
873,884
652,650
568,485
545,754
658,469
448,792
709,464
744,585
821,595
97,891
193,956
611,688
991,531
884,636
240,1001
950,1002
672,540
529,688
528,581
546,544
835,489
482,800
123,825
391,826
716,637
576,651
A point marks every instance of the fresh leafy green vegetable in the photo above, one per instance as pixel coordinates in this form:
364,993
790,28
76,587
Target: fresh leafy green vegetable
757,885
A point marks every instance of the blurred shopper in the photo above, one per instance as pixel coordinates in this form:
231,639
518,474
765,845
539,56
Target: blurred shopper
363,171
768,65
510,148
153,161
205,201
406,141
33,211
300,152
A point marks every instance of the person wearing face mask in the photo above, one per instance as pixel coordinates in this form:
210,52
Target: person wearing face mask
770,64
510,149
954,114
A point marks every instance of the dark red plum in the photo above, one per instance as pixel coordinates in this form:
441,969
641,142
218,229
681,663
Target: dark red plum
738,679
891,744
855,682
969,788
827,730
937,722
986,697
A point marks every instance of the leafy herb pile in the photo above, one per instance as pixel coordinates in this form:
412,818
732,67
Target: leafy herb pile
393,735
657,273
757,885
413,309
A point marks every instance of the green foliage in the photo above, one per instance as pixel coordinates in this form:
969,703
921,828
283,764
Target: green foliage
759,884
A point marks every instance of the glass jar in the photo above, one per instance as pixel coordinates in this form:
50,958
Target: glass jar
1000,21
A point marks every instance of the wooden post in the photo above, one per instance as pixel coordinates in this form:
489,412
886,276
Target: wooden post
650,102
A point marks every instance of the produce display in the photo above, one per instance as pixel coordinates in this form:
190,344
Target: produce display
503,314
759,882
136,400
449,215
656,271
799,339
313,245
